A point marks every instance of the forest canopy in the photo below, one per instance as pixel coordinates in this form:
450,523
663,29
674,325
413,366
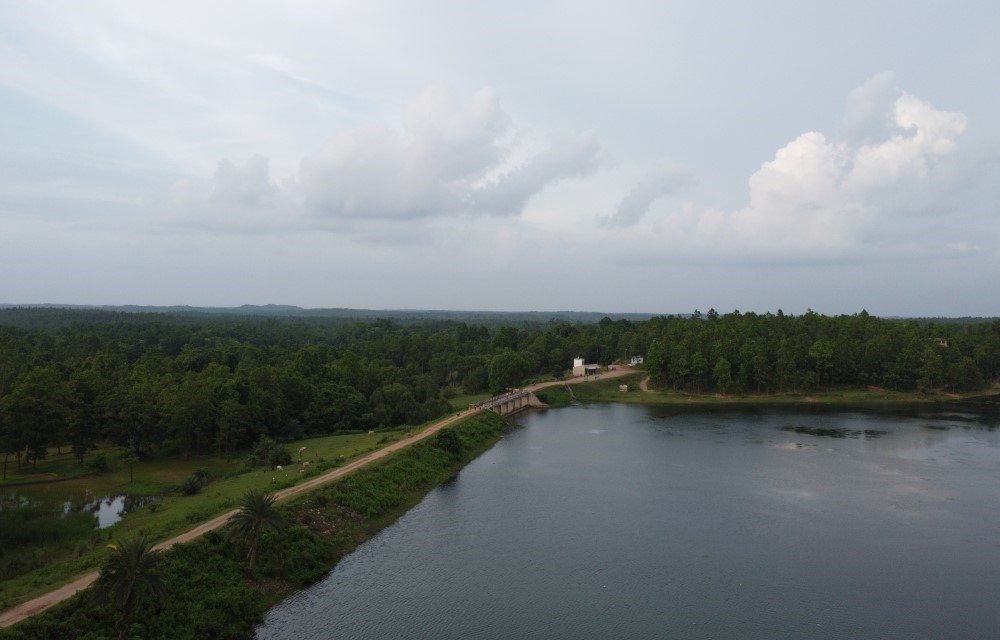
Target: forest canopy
192,384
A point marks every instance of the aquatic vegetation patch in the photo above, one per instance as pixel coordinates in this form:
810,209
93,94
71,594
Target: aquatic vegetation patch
835,432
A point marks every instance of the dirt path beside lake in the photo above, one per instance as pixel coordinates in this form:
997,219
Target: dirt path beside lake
52,598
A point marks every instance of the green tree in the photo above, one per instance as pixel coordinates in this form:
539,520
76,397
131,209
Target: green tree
506,338
87,391
753,364
394,404
723,374
191,411
131,458
931,369
128,577
507,369
256,514
138,411
38,407
6,441
699,371
964,375
822,354
269,453
656,359
234,427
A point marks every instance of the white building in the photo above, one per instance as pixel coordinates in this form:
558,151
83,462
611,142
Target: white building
581,369
635,360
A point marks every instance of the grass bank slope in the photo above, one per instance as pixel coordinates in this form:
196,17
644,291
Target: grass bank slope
208,591
628,389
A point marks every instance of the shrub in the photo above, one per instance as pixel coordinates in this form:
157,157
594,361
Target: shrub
190,485
448,440
249,463
269,452
100,463
279,456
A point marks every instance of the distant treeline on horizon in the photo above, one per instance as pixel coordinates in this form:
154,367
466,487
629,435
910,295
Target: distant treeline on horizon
275,310
491,317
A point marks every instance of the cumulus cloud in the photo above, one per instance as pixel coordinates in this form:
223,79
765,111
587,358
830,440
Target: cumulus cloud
565,156
796,199
922,133
248,186
237,196
663,181
451,157
867,116
817,195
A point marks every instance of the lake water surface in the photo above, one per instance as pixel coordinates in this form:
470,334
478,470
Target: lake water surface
618,521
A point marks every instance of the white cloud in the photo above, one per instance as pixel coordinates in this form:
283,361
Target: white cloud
869,108
426,169
565,155
237,198
248,186
816,196
922,133
452,156
663,181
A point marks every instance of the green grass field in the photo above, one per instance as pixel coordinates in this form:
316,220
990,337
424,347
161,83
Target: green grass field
31,569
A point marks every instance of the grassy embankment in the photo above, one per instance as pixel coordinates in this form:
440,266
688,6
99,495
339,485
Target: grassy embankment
208,591
608,391
39,553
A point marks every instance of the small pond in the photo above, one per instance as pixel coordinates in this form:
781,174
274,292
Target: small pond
48,501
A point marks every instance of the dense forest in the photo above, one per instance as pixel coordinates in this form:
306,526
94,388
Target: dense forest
188,383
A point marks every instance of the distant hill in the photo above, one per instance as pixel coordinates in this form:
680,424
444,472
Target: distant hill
291,311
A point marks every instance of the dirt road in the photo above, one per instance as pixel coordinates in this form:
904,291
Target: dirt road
52,598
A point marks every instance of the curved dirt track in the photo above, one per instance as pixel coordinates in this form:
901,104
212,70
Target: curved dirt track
52,598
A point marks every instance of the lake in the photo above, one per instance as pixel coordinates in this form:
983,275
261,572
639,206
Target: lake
621,521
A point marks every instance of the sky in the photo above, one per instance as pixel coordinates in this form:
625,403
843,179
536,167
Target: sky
634,156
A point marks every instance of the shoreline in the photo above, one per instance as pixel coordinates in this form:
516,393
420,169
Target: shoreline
604,390
76,583
325,525
847,398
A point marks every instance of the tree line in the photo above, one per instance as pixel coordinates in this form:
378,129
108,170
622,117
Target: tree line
748,353
190,385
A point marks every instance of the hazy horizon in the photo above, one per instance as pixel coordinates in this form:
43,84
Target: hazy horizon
459,312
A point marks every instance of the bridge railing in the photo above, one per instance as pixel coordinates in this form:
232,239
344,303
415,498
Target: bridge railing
497,401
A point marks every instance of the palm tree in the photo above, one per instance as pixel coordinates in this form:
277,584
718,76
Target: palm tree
128,576
257,513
